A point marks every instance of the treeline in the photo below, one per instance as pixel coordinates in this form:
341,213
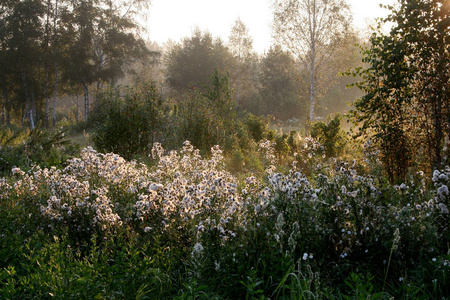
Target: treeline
51,48
56,48
274,83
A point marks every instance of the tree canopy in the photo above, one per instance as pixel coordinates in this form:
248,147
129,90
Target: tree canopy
405,108
195,60
312,31
47,42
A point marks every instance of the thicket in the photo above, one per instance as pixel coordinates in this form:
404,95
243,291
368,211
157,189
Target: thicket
129,121
62,48
272,216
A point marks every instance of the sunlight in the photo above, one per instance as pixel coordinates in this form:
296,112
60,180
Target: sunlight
176,19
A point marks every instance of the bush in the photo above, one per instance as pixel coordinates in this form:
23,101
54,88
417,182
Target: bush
330,135
129,124
43,147
258,127
213,234
208,118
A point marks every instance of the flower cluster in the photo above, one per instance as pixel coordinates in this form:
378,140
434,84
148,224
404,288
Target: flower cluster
187,192
182,193
192,200
441,181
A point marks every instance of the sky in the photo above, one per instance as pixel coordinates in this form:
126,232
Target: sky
176,19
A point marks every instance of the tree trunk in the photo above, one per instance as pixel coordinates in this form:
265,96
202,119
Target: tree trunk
27,99
239,78
55,94
77,117
86,102
312,62
55,91
47,99
34,117
6,105
31,119
311,93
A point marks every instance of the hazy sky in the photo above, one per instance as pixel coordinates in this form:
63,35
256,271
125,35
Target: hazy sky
176,19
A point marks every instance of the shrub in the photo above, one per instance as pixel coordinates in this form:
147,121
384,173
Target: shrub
284,235
129,124
207,118
256,126
330,135
23,148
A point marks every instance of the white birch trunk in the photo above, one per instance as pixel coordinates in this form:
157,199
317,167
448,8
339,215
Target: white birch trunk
86,102
47,100
55,94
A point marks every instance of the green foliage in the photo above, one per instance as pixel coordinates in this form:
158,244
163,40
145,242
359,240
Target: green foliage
192,63
207,118
62,46
257,127
361,287
330,136
281,145
129,124
280,86
23,148
404,108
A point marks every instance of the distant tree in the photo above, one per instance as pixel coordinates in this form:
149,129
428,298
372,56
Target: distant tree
406,87
339,94
150,69
241,47
191,63
280,85
312,30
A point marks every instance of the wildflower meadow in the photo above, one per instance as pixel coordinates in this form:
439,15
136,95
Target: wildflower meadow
182,226
203,168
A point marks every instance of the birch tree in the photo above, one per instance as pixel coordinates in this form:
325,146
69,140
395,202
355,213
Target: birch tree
311,30
241,47
104,42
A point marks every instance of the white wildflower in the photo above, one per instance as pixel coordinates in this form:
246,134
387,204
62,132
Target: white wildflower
198,249
443,208
443,191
